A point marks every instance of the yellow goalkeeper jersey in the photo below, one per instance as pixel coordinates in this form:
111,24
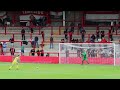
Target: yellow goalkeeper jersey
16,60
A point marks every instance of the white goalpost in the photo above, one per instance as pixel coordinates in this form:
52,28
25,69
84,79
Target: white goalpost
97,53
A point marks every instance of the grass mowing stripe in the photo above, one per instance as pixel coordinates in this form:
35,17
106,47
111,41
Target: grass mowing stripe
56,71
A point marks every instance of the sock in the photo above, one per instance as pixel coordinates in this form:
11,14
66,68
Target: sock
17,67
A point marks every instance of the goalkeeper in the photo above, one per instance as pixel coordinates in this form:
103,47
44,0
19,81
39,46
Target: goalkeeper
15,62
84,57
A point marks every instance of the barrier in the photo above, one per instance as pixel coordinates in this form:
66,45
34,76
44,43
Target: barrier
77,60
55,60
32,59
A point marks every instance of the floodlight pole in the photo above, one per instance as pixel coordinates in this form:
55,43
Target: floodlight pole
63,18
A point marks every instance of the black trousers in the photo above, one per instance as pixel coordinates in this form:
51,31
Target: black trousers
23,36
12,53
111,37
66,37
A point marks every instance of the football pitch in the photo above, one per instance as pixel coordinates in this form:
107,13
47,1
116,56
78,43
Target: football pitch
59,71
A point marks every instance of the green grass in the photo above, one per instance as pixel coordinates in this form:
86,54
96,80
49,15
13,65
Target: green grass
59,71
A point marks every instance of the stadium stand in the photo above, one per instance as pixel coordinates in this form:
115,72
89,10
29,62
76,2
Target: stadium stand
54,26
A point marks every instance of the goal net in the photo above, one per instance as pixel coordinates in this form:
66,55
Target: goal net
97,53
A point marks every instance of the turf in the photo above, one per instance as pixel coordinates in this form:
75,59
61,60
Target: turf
59,71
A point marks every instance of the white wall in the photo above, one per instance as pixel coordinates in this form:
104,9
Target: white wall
102,16
54,13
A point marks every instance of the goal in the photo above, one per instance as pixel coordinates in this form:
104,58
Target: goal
97,53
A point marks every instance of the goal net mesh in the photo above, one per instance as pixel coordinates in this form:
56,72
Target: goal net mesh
97,53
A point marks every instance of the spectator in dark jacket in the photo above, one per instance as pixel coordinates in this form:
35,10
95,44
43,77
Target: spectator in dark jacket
83,34
79,27
22,49
36,41
23,33
102,34
93,38
32,52
66,33
11,41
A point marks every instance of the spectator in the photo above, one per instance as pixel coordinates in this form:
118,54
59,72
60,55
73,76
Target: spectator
112,26
102,34
33,43
31,30
88,41
83,34
11,41
4,47
73,40
36,42
44,21
1,49
51,42
33,20
62,41
32,52
76,40
22,50
31,25
23,33
42,45
93,38
103,40
80,27
110,34
1,22
70,36
38,52
43,35
42,52
40,21
25,42
97,34
47,55
6,19
66,34
12,51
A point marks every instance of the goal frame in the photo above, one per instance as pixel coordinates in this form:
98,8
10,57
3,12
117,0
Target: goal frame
113,45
